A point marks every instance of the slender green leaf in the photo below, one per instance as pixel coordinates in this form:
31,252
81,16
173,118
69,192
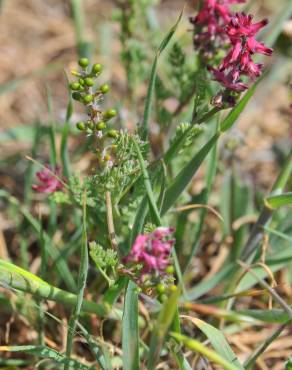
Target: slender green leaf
210,176
204,350
147,183
249,363
53,252
46,352
130,332
184,177
83,46
95,349
161,328
277,201
237,110
14,277
217,340
284,175
151,87
82,277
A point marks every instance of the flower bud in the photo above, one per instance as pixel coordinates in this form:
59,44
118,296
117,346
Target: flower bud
87,98
89,81
74,86
172,288
90,124
160,288
104,88
96,68
81,126
113,133
163,298
169,269
76,96
100,125
83,62
110,114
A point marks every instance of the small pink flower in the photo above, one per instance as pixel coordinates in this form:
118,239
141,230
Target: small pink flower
238,61
230,80
152,251
50,183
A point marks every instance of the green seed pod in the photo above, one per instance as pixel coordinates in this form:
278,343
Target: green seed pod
104,88
163,298
81,126
160,288
110,114
172,288
83,62
169,270
90,124
96,68
89,81
74,86
81,81
76,96
87,99
113,133
101,125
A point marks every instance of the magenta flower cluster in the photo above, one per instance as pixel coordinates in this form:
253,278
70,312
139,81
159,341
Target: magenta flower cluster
50,180
152,251
239,31
210,22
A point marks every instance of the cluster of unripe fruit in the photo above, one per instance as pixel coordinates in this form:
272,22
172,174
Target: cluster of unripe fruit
83,91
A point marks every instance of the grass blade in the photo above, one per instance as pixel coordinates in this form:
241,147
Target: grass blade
277,201
14,277
217,340
82,277
203,350
184,177
130,333
148,187
53,252
64,139
249,363
151,87
164,321
235,113
83,46
46,352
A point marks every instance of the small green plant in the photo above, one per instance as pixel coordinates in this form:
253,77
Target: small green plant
148,210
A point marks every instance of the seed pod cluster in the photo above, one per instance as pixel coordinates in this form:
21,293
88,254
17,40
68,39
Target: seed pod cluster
85,90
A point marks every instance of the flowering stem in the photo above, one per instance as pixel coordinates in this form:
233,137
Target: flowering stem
110,221
206,117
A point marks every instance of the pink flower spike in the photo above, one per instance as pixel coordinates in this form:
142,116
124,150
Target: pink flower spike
257,47
50,183
152,251
238,61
